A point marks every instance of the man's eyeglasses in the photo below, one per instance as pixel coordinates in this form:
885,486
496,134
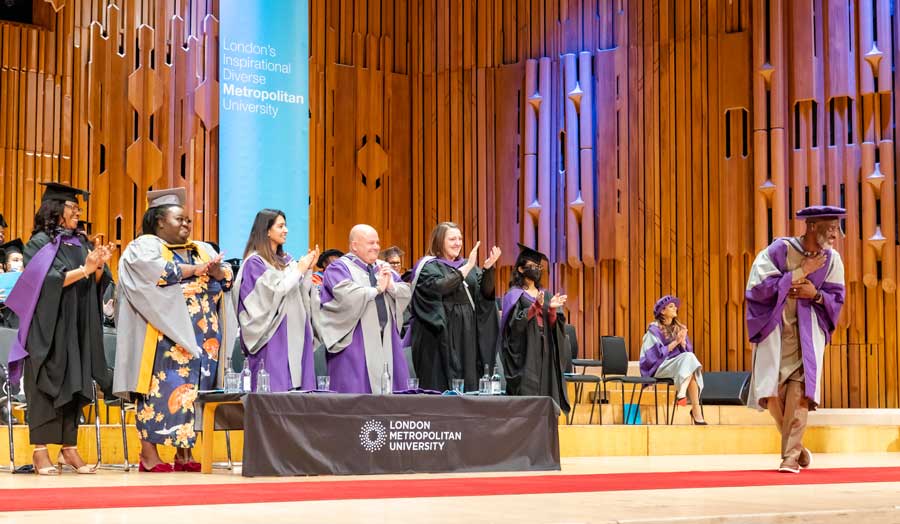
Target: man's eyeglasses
395,264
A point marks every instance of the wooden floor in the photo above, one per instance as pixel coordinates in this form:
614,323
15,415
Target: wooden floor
850,503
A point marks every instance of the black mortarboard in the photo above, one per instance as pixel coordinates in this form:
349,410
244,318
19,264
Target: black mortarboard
3,222
528,254
62,192
328,253
13,246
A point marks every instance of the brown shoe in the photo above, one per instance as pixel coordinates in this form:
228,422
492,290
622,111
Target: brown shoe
789,465
805,458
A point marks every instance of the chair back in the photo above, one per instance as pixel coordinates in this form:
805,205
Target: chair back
237,356
7,335
615,355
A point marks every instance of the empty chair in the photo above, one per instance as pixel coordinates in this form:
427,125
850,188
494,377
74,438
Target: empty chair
615,369
580,379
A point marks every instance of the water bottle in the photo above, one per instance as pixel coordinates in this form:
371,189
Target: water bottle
387,387
245,377
484,384
232,379
495,381
262,378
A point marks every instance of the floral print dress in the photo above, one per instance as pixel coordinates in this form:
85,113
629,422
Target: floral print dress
165,415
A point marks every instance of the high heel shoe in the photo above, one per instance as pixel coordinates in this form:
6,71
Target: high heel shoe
696,422
49,470
65,466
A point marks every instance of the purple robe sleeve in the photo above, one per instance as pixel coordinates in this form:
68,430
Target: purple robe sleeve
766,299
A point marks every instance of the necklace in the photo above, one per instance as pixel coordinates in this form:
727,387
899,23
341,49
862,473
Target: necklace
805,253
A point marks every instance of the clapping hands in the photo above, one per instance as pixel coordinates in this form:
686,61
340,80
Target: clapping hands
97,258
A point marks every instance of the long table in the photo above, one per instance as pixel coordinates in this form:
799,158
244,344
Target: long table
289,434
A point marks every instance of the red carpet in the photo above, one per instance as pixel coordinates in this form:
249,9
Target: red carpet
190,495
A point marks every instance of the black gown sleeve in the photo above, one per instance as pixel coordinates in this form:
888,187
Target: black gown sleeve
435,282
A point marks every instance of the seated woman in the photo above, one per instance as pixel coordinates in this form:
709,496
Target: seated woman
533,343
272,306
667,352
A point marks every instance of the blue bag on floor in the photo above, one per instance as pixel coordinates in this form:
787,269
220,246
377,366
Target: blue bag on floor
633,414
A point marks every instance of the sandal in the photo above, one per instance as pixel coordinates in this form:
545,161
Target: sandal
49,470
65,466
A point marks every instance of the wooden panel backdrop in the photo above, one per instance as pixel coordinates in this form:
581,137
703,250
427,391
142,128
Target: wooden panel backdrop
115,97
648,146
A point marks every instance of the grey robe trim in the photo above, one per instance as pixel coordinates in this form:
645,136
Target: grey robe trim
141,300
354,304
276,296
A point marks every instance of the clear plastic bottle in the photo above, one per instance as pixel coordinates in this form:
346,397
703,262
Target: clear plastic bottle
495,381
262,378
387,386
232,379
484,384
245,377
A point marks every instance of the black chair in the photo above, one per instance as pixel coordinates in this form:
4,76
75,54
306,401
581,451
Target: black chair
615,369
669,383
7,335
581,379
109,350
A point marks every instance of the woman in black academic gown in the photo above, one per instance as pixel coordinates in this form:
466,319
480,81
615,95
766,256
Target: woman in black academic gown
60,343
13,262
454,326
533,342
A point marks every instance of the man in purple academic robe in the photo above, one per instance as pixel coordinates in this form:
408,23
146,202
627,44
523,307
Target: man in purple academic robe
359,317
794,298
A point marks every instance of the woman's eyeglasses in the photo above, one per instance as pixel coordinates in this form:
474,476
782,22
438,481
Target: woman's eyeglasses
75,208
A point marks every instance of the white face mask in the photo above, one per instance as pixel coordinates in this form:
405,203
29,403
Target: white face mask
16,266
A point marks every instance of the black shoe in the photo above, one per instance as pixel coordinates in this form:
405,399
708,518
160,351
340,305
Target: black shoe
696,423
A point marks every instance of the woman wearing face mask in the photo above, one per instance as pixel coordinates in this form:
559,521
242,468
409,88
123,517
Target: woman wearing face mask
533,342
667,352
454,318
13,262
272,306
169,329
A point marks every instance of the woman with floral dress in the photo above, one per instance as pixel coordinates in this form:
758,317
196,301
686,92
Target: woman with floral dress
169,329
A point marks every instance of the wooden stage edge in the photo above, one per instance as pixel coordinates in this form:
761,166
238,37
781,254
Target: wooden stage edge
575,441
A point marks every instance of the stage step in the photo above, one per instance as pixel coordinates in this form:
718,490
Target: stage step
575,441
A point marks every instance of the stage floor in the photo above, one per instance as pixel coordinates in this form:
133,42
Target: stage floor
865,500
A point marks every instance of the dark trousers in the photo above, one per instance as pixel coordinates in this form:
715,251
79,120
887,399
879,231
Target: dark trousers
58,425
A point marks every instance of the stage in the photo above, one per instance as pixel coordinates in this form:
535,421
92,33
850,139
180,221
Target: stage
702,488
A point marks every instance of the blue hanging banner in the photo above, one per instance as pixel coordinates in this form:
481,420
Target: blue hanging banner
263,118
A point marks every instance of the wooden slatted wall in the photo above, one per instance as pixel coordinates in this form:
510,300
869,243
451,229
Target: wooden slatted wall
649,146
115,97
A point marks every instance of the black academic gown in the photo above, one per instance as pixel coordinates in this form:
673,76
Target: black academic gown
535,356
450,338
65,345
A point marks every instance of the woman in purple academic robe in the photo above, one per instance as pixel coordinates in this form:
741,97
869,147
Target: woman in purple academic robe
667,352
273,306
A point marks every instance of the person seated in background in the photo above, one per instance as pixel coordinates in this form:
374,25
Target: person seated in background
393,256
533,342
272,306
667,352
13,262
325,259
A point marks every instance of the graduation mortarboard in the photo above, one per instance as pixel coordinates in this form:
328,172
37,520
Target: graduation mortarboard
821,212
3,222
62,192
13,246
528,254
328,253
174,196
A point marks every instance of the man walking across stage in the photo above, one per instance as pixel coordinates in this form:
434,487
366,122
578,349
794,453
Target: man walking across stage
794,298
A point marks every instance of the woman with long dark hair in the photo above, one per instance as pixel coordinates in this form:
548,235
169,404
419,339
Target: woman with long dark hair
60,342
273,307
667,352
533,342
454,314
169,329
